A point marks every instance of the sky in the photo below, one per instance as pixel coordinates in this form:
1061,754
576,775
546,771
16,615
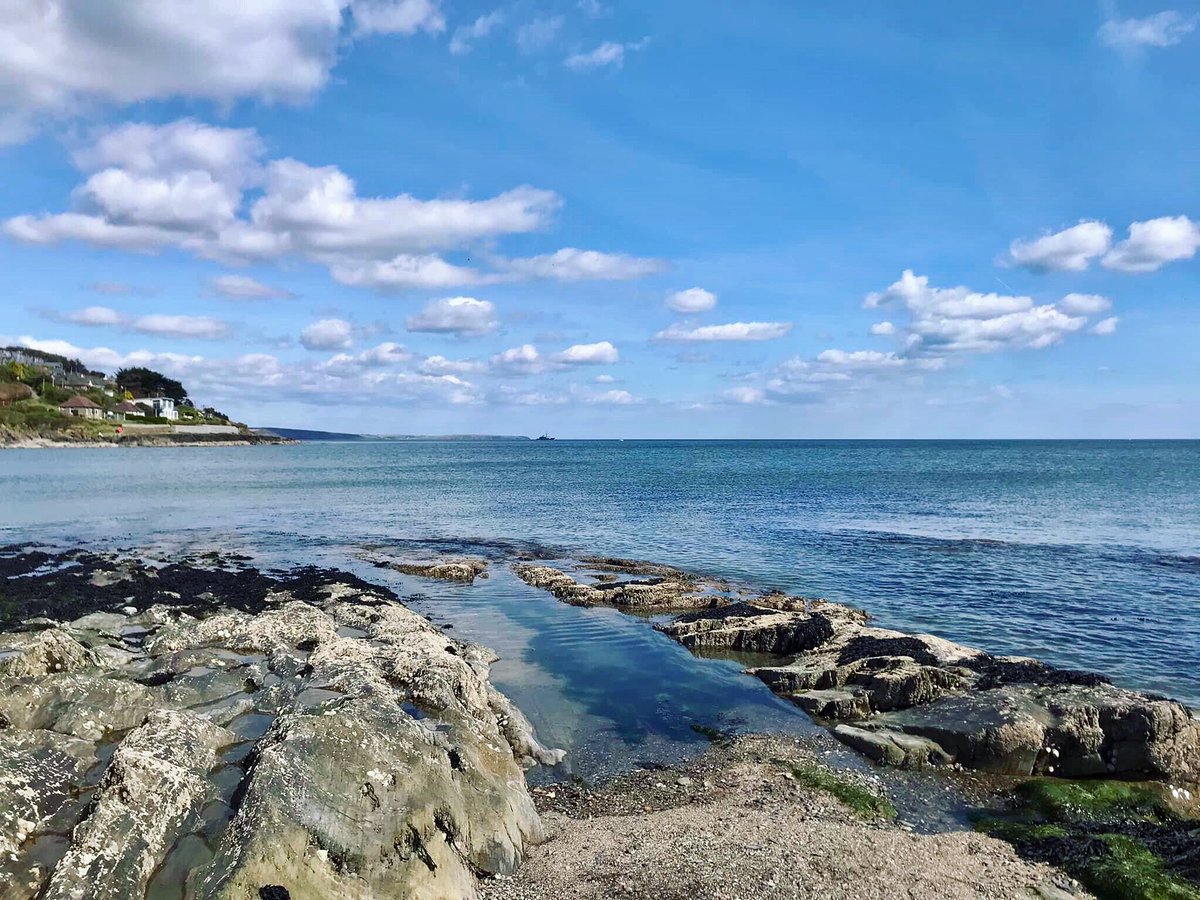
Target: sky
596,218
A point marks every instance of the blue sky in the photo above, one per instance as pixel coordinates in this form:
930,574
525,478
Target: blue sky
606,219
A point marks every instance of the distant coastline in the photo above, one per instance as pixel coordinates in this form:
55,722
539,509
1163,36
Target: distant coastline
304,434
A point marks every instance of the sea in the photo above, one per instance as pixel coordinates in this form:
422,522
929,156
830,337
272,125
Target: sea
1085,554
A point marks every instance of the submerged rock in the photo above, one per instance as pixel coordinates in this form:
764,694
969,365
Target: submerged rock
335,745
918,700
666,588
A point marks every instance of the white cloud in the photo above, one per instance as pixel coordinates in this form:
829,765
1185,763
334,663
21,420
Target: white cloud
609,53
883,329
860,359
440,365
1106,326
539,33
1069,250
95,316
1154,243
693,300
599,353
734,331
182,326
1084,304
242,287
327,334
205,190
407,272
612,398
604,379
573,264
464,38
396,16
1164,29
455,315
61,57
523,360
749,396
959,320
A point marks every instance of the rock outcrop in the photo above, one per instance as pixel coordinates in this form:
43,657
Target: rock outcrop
918,700
333,746
663,588
464,569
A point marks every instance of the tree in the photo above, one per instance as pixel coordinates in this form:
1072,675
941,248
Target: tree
147,383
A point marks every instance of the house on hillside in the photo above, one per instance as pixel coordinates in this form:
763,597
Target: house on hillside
82,381
128,410
163,407
81,408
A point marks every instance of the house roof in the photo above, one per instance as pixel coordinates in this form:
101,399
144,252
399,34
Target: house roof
127,406
78,402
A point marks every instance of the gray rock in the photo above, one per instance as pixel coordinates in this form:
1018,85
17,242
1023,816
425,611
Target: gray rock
369,753
676,590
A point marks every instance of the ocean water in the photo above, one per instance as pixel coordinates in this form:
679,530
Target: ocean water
1085,554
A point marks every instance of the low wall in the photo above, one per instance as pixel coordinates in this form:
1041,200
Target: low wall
206,429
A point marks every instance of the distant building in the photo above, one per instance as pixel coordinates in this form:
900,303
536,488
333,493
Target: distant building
82,382
128,410
163,407
81,408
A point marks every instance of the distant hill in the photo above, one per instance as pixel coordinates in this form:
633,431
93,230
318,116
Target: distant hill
303,434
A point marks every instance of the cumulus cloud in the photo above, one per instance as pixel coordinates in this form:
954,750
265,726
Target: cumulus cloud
609,53
612,398
599,353
61,56
208,191
692,300
381,376
1069,250
440,365
733,331
604,379
1106,326
573,264
1154,243
455,315
242,287
1084,304
883,329
464,38
959,320
523,360
328,334
1164,29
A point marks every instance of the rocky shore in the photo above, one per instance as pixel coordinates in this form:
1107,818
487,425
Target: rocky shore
909,700
207,730
917,700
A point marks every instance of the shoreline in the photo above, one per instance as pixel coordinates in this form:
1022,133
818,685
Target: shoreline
747,817
50,444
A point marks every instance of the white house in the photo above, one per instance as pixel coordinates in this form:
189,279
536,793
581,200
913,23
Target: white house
163,407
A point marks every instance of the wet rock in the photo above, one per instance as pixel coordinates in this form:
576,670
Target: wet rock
321,738
52,650
762,629
153,787
464,570
674,591
918,700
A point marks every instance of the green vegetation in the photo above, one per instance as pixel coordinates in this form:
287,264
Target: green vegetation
143,382
715,735
861,800
1120,839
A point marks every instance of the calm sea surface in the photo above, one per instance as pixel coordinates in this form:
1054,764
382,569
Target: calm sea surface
1085,554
